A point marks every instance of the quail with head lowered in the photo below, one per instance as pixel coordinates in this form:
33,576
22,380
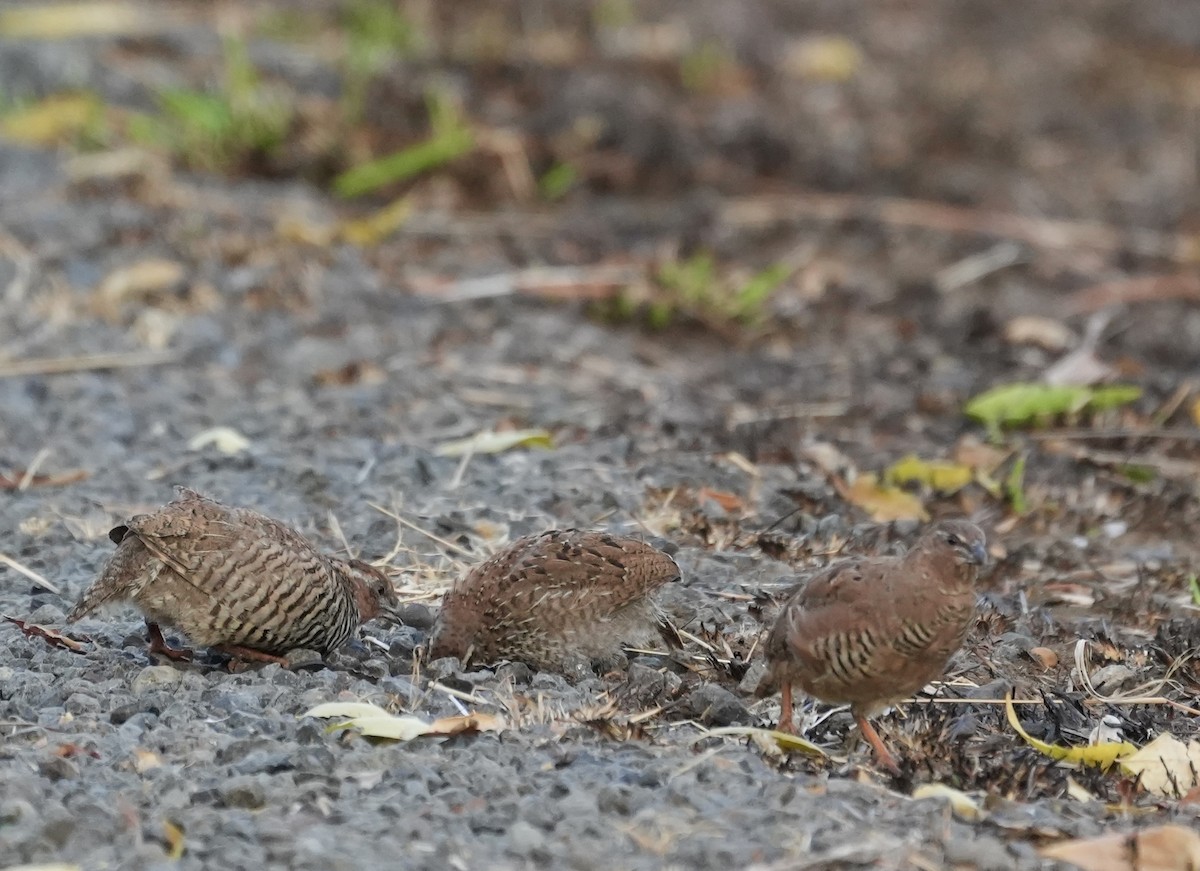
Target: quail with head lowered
564,600
871,631
236,581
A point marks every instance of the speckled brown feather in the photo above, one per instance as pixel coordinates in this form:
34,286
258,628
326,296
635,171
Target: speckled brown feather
231,577
555,600
872,631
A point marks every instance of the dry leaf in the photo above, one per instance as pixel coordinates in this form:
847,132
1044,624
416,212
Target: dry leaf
964,807
144,760
52,120
1162,848
140,280
225,439
824,58
884,503
729,502
497,442
375,722
1196,412
173,835
1044,332
1166,766
53,637
14,481
64,20
1045,656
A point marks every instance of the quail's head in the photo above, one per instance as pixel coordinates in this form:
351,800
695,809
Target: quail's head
373,593
960,541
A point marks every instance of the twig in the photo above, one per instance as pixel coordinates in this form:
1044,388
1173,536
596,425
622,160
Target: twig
1145,288
28,572
1170,433
27,478
85,363
1045,233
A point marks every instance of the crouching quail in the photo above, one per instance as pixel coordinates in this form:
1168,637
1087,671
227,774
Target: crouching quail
236,581
564,600
871,631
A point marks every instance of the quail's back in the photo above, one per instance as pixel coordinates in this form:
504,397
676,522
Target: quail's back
555,600
233,578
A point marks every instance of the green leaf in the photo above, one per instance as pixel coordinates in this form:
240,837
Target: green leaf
1023,404
755,293
1194,588
1014,486
557,181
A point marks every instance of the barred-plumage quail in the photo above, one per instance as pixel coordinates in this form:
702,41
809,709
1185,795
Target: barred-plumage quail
236,581
872,631
563,600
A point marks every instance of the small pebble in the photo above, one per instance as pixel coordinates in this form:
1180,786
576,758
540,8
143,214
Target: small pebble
155,677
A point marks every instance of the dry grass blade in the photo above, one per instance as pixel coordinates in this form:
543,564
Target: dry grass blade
28,572
404,522
85,363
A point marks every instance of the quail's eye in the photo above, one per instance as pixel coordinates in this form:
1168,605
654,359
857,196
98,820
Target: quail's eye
953,540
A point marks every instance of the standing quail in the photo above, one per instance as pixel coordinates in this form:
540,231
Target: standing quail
236,581
872,631
563,600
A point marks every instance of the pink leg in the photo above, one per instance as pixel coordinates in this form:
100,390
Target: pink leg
881,753
158,644
785,713
248,654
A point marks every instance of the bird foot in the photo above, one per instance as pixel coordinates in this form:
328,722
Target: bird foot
159,645
886,759
244,655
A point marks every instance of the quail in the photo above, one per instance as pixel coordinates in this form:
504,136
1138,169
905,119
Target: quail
236,581
565,600
872,631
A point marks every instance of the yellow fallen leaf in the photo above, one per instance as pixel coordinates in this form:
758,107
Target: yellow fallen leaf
938,475
1162,848
63,20
144,760
1166,766
1196,411
225,439
173,835
497,442
785,741
825,58
964,807
377,226
140,280
1101,755
375,722
54,119
884,503
467,723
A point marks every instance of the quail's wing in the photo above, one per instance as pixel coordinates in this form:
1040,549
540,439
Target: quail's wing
204,541
583,572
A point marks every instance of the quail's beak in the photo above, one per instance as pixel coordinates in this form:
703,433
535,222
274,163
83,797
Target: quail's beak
979,554
391,613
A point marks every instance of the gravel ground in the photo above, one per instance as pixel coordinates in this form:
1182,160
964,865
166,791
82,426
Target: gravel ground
345,382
